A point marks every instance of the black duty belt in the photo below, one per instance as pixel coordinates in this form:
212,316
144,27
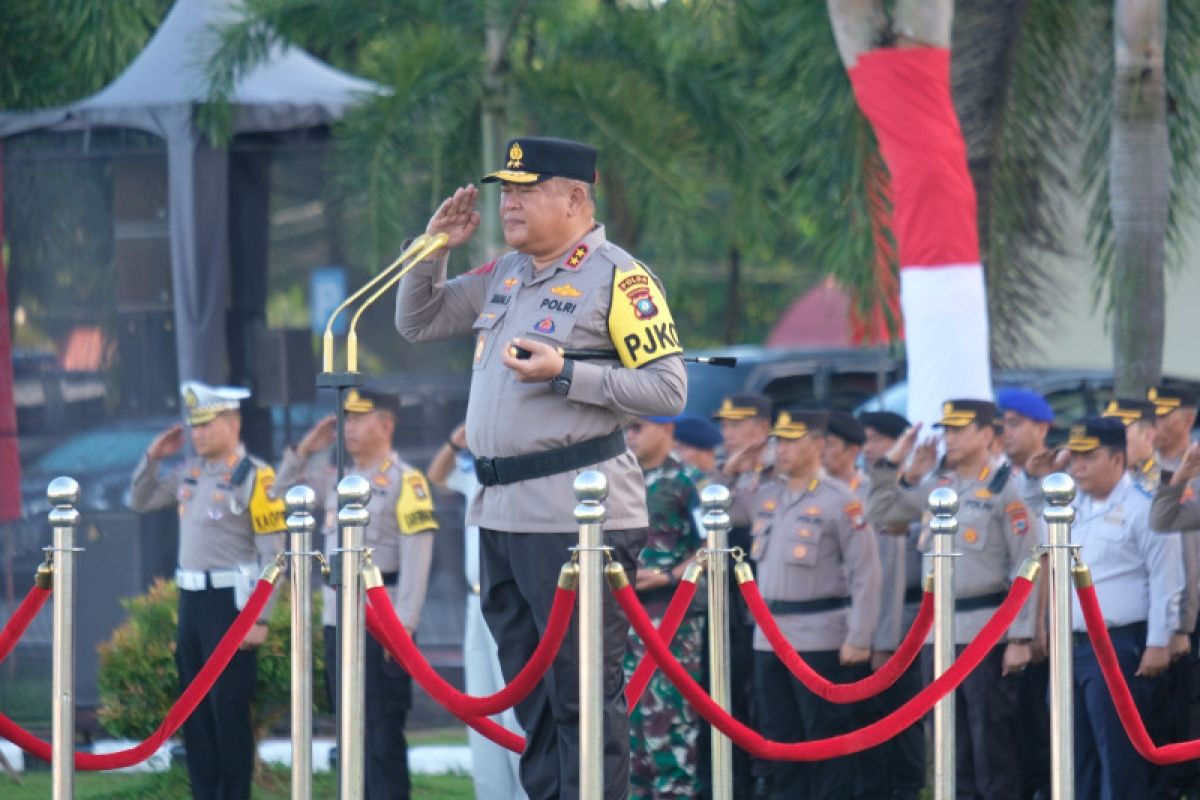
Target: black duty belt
389,578
914,595
982,601
807,606
1135,629
501,471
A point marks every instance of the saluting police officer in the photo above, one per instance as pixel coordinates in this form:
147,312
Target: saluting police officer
1172,473
400,536
533,423
226,509
994,539
818,567
745,421
1138,580
1139,417
901,761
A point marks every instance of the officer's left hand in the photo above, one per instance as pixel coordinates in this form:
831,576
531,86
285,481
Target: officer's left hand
849,654
544,362
256,636
1179,645
1016,658
1154,662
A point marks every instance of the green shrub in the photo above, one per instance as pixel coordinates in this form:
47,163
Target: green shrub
139,682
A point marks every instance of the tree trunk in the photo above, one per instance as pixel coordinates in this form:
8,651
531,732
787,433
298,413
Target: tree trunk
733,296
1139,187
492,124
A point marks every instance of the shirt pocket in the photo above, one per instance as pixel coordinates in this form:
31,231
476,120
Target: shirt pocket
487,329
804,543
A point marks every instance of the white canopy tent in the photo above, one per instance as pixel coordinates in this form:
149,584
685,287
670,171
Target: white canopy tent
159,94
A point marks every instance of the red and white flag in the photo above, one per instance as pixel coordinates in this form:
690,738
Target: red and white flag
905,93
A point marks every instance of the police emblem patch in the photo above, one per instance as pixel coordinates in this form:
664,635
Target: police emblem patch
545,326
1018,518
799,551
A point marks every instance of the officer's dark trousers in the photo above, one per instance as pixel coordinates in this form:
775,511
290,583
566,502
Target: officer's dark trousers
218,736
1106,765
388,691
519,574
1033,692
1173,718
788,712
896,768
986,716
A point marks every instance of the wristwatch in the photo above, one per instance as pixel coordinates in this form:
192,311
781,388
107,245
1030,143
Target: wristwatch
561,383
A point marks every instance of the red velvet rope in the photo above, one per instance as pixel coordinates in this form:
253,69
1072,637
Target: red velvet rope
18,623
1127,710
410,657
843,744
492,730
179,712
672,618
841,693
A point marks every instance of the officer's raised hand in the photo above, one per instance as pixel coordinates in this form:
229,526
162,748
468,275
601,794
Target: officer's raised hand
456,216
544,362
322,435
1042,463
166,444
904,445
923,461
1189,468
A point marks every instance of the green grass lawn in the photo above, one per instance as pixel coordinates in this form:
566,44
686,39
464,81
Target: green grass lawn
173,785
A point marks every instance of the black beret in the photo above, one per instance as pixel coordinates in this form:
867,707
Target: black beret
844,426
888,423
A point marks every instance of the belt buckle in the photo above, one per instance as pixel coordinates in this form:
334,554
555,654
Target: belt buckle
485,471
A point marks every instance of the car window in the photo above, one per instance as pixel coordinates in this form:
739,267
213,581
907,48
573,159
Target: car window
96,452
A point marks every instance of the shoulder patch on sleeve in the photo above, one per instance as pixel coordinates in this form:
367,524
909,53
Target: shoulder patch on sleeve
267,513
854,512
414,508
639,321
1018,517
485,269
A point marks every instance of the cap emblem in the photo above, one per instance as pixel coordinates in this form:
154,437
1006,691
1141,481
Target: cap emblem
515,156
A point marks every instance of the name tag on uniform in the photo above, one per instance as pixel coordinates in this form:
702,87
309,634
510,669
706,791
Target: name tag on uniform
1115,516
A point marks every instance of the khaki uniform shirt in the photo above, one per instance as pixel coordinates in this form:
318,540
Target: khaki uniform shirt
215,529
1176,508
400,531
565,305
995,534
811,545
893,564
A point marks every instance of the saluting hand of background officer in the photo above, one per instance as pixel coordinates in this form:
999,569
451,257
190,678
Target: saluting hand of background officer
456,217
1046,461
166,444
319,437
1189,468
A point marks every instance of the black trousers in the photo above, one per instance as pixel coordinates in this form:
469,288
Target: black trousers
519,574
1033,689
789,712
218,736
986,729
896,768
388,698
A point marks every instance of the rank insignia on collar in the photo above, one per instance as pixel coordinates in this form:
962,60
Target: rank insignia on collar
566,290
577,256
545,326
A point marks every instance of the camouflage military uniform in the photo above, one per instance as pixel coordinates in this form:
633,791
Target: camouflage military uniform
663,729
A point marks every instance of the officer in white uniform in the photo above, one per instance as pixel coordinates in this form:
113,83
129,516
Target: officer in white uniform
1138,576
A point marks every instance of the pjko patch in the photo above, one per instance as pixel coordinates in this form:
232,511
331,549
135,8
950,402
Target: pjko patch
639,321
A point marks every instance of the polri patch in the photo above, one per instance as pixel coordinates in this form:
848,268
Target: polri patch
544,326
